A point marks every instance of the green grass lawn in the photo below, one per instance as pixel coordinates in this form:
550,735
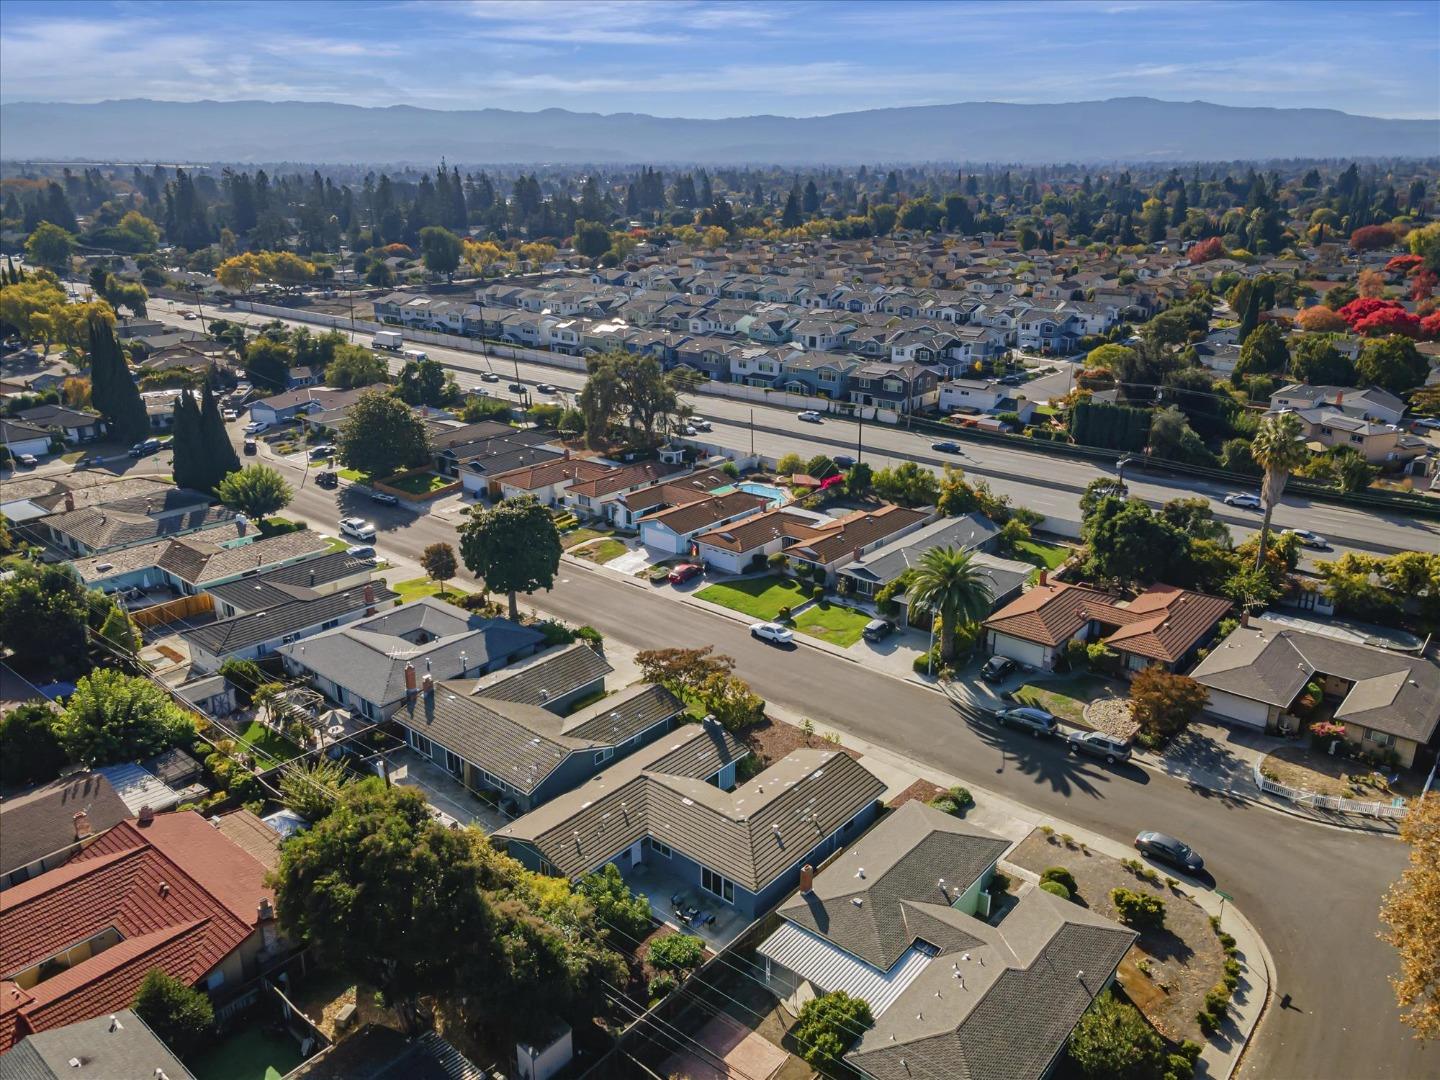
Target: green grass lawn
761,597
252,1053
415,588
355,476
1038,553
334,544
264,741
1066,698
570,539
419,483
278,526
835,623
603,551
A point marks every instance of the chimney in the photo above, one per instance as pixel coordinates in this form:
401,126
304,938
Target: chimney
1245,617
567,454
69,500
1044,577
145,817
264,911
855,555
83,828
1340,399
429,685
369,599
409,681
807,878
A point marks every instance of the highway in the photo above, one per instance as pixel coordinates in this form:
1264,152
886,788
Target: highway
1048,484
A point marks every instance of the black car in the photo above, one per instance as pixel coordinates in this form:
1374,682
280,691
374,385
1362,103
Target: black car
997,668
250,448
384,498
1167,849
327,478
877,630
845,461
517,388
146,448
946,447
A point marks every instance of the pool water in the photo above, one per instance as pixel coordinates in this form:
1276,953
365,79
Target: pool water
775,494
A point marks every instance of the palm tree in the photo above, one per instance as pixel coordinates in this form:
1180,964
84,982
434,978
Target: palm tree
949,586
1279,449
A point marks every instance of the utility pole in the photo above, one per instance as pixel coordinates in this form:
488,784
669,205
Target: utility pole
752,433
860,435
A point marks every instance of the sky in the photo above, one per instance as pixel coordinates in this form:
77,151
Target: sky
711,59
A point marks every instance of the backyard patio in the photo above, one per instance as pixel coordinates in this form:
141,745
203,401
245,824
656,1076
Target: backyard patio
662,889
442,791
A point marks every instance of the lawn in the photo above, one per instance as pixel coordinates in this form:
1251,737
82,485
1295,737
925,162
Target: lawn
835,623
252,1053
334,544
264,741
603,551
355,476
761,597
1038,553
575,537
1065,698
419,483
415,588
72,457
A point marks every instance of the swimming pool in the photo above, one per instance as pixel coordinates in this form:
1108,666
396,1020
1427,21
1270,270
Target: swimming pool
776,495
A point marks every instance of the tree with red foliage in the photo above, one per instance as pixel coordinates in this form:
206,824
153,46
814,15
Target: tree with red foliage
1206,250
1319,319
1364,307
1388,321
1430,327
1372,238
1422,285
1403,264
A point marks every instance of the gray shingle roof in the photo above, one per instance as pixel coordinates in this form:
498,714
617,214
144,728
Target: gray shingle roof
624,714
41,821
226,636
126,1049
889,562
288,582
547,676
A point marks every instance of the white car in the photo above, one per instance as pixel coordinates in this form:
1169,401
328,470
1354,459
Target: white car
810,416
358,528
255,427
229,414
1243,499
1308,539
700,425
191,315
772,632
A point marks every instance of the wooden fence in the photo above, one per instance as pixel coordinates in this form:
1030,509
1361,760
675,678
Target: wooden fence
182,607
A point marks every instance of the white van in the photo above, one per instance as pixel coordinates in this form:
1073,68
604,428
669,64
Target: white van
415,355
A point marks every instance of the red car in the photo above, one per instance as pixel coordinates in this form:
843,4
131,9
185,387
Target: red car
684,572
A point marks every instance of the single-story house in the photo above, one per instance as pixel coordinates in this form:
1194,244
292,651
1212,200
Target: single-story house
278,579
902,920
1163,625
634,505
106,527
599,496
854,535
284,407
676,803
554,679
45,826
547,480
367,665
1387,700
735,547
75,426
872,571
20,437
117,1045
672,530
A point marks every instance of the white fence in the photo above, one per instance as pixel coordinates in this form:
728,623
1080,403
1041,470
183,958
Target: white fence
1301,797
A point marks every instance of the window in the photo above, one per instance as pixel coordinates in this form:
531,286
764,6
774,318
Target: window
421,743
662,849
1379,738
215,980
602,756
712,882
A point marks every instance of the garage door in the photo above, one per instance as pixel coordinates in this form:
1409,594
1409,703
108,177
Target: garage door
661,539
1022,652
1241,710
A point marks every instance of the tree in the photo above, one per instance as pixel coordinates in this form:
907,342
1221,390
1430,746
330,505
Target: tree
178,1013
828,1026
1113,1041
311,788
355,365
424,382
1127,542
1392,363
381,890
1372,237
117,717
439,563
1204,250
513,546
616,906
682,671
1279,449
859,479
256,491
634,389
1163,703
381,436
790,464
1411,913
592,239
1315,360
30,752
440,250
950,587
1195,517
1264,352
46,614
1172,437
907,484
113,388
729,699
220,452
244,675
50,246
1319,319
267,361
240,273
188,452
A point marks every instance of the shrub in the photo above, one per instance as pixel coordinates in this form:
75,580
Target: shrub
180,1015
676,952
616,906
554,633
1139,910
1113,1041
1075,656
961,797
591,637
1217,1005
661,985
1054,888
828,1025
783,615
731,470
778,561
817,592
1062,875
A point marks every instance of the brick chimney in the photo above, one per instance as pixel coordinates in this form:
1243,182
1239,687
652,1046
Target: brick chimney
145,817
1044,578
369,599
409,681
807,878
83,828
264,911
428,683
69,501
1244,617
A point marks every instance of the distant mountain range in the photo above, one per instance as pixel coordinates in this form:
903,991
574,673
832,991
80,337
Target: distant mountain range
1120,129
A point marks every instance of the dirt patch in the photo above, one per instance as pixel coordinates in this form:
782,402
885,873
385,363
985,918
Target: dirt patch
1113,717
771,740
1185,958
321,996
921,790
1311,770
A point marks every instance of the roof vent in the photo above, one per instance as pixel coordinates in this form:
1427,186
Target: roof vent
858,901
115,1024
860,872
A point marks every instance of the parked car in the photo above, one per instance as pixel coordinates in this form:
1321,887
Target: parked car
191,315
1243,499
1028,718
327,478
1166,849
250,447
997,669
28,460
229,414
1013,379
845,461
384,498
877,630
146,448
490,376
945,447
255,427
1098,744
772,632
810,416
361,551
324,450
1308,539
684,572
358,528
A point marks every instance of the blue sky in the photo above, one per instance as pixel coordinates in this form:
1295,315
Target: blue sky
688,58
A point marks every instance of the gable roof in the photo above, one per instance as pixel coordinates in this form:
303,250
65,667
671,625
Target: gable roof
118,1045
858,530
546,473
692,516
289,582
966,533
753,532
43,820
290,616
546,676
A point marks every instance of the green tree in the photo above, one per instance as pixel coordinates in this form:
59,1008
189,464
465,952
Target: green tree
355,365
46,614
30,752
1392,363
952,588
859,479
1195,517
179,1014
1127,542
513,547
907,484
188,453
790,464
440,250
616,906
1315,360
311,788
828,1026
117,717
439,563
592,239
424,382
221,458
1264,352
1113,1041
50,246
675,952
267,361
112,387
1352,471
730,700
381,436
256,490
1172,437
633,389
1278,449
244,675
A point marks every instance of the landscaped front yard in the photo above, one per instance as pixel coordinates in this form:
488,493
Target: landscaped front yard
576,537
1066,698
835,623
419,483
1314,770
761,597
602,551
355,476
415,588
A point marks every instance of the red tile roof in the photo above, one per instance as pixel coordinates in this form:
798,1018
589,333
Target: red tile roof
180,894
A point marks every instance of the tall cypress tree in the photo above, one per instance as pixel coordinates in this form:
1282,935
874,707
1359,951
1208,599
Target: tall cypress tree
113,390
220,457
189,452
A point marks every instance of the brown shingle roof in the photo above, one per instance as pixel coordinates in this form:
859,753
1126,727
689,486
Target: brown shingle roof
760,529
707,511
859,530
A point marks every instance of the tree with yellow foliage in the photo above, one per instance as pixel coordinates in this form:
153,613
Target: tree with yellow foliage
1411,911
